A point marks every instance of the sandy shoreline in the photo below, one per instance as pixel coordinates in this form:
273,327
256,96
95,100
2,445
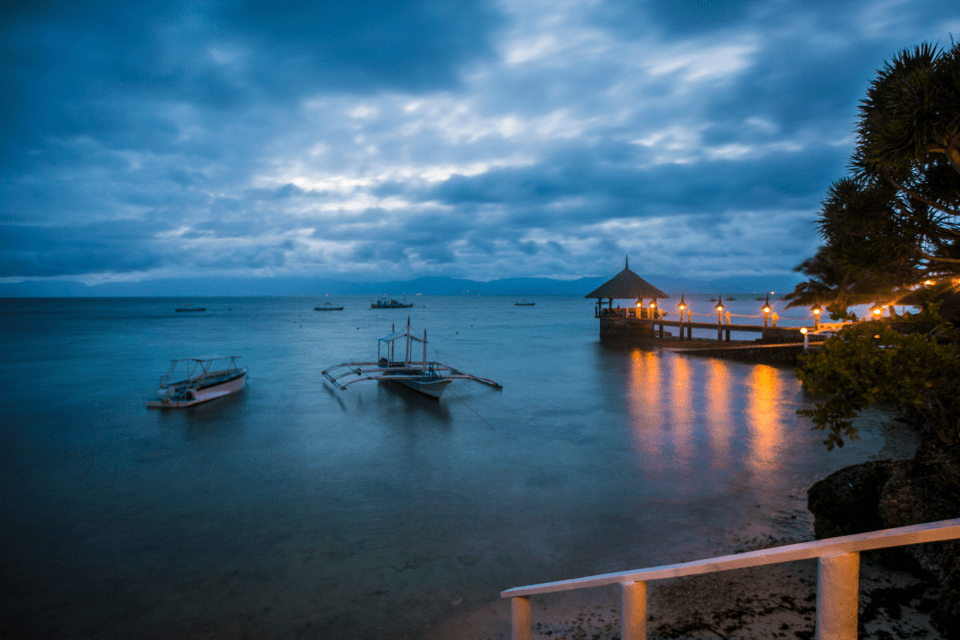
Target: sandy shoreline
764,602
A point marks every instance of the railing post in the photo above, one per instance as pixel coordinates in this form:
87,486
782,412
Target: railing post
520,617
838,595
633,611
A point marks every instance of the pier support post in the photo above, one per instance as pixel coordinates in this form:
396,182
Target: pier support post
520,617
633,611
838,586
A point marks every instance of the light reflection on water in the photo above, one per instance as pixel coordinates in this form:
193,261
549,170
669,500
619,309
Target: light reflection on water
765,416
717,419
294,508
669,395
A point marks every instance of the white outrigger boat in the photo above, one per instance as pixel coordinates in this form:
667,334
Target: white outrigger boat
201,383
429,378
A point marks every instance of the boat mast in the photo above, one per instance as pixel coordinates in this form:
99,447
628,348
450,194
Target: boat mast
424,348
407,361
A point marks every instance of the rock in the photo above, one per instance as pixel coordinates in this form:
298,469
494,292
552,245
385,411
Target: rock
847,501
924,489
897,493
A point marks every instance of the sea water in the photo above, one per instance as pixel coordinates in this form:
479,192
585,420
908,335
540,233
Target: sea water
296,508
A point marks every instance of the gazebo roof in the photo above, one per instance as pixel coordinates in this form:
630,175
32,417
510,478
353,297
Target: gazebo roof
626,285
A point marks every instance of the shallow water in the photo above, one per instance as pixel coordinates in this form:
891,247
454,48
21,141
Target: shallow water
297,508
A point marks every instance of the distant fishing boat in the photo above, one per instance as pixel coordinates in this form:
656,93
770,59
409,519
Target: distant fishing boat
524,303
429,378
389,303
198,382
326,306
190,307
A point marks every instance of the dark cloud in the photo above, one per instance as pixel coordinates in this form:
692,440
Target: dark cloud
472,139
111,69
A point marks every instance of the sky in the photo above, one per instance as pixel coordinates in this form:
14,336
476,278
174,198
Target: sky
389,140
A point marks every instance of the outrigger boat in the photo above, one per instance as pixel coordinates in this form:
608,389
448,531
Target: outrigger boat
190,307
201,383
429,378
327,307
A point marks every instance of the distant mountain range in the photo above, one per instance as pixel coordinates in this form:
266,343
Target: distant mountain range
281,286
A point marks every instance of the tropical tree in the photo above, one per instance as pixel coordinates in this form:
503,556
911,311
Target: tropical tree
910,368
895,220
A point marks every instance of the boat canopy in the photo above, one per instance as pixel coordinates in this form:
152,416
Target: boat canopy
405,332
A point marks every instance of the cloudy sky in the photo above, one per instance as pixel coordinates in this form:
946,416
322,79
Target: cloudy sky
388,140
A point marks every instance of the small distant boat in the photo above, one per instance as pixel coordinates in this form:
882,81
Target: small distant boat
429,378
731,298
326,306
524,303
389,303
190,307
198,382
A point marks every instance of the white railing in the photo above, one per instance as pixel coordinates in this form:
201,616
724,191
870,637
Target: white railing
838,578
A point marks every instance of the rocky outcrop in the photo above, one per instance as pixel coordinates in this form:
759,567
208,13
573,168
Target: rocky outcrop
847,502
897,493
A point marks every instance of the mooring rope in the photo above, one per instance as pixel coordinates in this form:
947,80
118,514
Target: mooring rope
471,409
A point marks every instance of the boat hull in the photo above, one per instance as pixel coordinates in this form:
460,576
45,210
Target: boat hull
432,387
193,394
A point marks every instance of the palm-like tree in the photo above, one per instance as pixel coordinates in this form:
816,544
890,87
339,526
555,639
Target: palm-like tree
909,139
895,220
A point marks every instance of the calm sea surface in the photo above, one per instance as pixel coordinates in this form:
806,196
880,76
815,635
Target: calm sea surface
294,508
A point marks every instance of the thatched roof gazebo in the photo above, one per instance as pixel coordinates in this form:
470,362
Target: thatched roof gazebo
626,285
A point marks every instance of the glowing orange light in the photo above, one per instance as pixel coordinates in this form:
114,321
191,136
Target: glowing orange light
639,304
803,331
929,283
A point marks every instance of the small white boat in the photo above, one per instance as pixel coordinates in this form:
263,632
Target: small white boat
326,306
389,303
190,307
196,381
429,378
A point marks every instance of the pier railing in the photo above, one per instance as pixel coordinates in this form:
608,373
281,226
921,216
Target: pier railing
838,578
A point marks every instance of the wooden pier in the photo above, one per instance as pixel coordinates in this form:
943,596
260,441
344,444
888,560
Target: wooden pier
779,346
645,325
625,323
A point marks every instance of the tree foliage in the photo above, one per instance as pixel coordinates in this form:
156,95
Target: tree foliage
894,220
913,367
